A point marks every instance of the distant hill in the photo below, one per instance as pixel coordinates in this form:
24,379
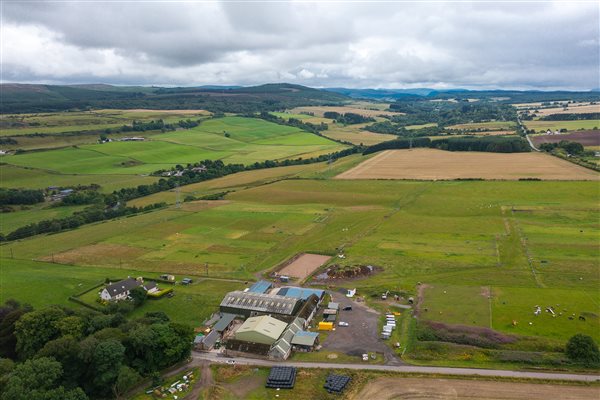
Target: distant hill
381,93
19,98
509,96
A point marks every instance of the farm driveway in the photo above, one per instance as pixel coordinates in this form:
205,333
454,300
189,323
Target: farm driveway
362,336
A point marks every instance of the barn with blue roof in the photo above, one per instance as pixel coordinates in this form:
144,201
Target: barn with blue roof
260,287
300,293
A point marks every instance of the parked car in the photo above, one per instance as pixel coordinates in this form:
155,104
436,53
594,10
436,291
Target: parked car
347,308
342,323
230,362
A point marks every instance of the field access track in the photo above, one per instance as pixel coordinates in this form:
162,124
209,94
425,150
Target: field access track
431,164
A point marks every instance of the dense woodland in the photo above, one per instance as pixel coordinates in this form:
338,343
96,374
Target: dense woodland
67,354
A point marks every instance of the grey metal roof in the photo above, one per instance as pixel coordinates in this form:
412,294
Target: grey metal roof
260,302
210,339
284,344
224,322
304,338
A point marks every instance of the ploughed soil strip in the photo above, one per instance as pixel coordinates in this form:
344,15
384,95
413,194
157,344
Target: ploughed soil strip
586,138
433,164
424,388
303,265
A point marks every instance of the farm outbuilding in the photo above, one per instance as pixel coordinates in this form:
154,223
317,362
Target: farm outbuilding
300,293
305,341
248,304
260,287
282,348
224,323
207,342
263,330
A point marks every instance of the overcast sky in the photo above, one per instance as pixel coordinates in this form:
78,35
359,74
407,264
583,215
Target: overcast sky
541,45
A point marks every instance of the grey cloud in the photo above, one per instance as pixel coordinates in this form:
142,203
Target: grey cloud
372,44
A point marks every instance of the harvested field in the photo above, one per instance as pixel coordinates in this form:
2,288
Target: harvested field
424,388
319,111
572,109
304,265
490,133
431,164
136,110
586,138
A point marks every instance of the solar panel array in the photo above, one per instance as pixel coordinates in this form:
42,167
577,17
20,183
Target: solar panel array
336,383
281,377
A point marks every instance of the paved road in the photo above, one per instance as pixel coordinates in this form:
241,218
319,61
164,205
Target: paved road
531,143
214,357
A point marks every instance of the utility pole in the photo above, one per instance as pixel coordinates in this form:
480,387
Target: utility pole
177,196
206,268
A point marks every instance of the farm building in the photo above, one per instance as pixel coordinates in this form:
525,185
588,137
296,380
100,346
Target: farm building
260,287
263,330
333,306
224,323
300,293
248,304
305,341
282,348
309,309
329,315
207,342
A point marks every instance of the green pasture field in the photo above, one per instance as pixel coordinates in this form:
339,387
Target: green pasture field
25,177
49,283
513,237
542,126
250,140
494,125
29,214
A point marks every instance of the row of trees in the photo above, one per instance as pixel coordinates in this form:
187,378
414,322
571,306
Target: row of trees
61,353
154,125
571,117
486,144
573,148
20,196
191,173
305,126
94,213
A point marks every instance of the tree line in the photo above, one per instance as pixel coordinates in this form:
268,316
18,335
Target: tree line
20,196
94,213
58,353
571,117
485,144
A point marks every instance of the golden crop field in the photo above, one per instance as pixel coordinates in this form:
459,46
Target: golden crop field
571,109
432,164
320,110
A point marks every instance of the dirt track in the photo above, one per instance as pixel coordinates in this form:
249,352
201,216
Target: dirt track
423,388
304,265
431,164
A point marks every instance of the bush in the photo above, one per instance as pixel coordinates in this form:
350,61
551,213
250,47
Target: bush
582,348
